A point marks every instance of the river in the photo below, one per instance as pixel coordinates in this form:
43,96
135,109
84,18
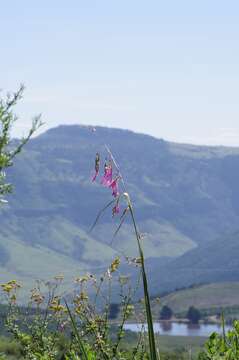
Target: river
180,329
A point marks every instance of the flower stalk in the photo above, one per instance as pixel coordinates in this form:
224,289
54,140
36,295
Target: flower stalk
116,194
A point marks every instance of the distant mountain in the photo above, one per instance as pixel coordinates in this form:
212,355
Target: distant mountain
184,196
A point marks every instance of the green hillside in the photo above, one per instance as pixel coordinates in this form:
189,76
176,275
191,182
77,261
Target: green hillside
184,197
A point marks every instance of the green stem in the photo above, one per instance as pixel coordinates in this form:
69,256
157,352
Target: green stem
152,345
82,348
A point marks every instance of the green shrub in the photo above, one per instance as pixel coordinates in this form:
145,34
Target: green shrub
222,347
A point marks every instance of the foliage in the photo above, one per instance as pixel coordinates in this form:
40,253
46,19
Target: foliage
224,347
8,152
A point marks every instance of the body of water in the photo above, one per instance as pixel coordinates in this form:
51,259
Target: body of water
180,329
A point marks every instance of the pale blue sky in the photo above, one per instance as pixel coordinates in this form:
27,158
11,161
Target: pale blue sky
166,68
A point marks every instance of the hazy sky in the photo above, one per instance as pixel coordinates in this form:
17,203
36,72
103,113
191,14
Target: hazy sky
166,68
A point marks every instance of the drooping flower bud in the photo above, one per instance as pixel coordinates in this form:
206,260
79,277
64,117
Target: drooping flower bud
115,187
97,166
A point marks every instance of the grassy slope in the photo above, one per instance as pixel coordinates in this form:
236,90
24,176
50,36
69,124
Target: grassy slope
28,262
172,243
215,261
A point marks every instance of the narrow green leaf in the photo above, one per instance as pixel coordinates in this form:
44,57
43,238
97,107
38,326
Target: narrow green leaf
100,213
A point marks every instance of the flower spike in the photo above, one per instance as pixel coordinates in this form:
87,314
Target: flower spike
107,178
114,186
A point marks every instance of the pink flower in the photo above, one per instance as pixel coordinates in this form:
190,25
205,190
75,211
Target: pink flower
107,178
115,187
97,166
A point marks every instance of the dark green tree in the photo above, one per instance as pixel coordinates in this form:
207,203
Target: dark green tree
166,313
8,148
193,315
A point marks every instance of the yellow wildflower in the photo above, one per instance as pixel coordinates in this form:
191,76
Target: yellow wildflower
114,265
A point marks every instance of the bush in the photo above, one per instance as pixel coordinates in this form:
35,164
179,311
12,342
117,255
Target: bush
224,347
